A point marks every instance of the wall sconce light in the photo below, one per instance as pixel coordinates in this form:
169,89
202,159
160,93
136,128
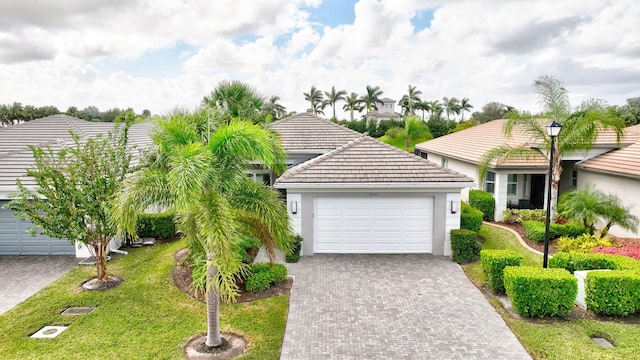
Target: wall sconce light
454,206
294,207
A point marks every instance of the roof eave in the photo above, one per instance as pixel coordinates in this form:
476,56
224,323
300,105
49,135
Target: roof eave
377,185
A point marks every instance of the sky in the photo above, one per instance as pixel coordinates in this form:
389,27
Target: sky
164,54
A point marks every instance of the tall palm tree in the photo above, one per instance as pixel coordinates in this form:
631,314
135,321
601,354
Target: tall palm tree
414,130
436,110
274,108
451,106
372,98
199,169
316,99
425,106
465,106
333,97
410,102
237,99
352,103
579,132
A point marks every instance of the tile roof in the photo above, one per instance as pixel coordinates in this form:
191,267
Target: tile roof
624,161
367,160
471,144
16,157
305,132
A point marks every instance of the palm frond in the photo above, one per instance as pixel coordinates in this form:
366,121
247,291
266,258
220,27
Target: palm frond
505,152
553,96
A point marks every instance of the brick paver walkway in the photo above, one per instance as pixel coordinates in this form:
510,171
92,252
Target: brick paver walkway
391,307
23,276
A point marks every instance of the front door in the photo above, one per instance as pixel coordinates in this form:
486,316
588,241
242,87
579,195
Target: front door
537,191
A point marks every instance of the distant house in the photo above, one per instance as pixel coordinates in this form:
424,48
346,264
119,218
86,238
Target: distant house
523,182
385,111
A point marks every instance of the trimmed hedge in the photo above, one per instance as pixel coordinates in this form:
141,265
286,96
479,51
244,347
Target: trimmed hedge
293,255
464,246
539,292
484,202
263,275
613,293
535,231
571,229
493,264
159,226
520,215
470,218
589,261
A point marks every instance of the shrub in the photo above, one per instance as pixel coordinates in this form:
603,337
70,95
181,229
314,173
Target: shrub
293,255
484,202
583,243
540,292
580,261
470,218
521,215
464,246
630,251
247,244
570,229
160,226
614,293
263,275
535,230
493,264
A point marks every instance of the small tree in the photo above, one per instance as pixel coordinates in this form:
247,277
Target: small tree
414,130
75,187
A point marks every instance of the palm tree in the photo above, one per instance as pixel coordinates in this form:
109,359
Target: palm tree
411,100
372,98
579,132
425,106
414,130
436,110
274,108
465,106
451,106
237,99
333,97
199,169
352,103
316,99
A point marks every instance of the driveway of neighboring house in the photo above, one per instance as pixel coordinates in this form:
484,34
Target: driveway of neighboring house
23,276
391,307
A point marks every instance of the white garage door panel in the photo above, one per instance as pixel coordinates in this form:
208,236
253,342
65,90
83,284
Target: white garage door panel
373,224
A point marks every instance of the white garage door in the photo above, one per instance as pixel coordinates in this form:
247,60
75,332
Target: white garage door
370,225
14,239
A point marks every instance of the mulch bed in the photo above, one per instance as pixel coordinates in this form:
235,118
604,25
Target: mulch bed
517,227
183,279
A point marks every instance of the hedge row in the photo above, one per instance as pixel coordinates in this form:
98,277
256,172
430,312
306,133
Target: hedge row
540,292
521,215
159,226
464,245
613,293
484,202
470,218
535,230
589,261
493,264
263,275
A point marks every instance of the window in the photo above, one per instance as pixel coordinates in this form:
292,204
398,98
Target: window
490,182
524,184
574,178
512,185
444,162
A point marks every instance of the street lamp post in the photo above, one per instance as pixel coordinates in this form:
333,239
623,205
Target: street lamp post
553,130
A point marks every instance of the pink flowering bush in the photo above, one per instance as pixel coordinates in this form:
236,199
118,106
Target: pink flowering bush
632,251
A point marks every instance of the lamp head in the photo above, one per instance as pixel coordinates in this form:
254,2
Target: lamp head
553,129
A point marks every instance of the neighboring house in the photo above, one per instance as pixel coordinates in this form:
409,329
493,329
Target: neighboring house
385,111
16,158
515,182
350,193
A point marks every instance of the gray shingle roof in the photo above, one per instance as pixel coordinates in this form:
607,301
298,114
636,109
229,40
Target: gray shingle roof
309,133
367,160
16,157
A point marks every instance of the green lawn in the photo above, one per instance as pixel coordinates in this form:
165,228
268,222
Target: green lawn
146,317
558,339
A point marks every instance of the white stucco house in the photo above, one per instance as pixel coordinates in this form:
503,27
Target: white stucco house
523,182
350,193
385,111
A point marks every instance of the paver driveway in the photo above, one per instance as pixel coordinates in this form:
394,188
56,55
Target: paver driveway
23,276
391,307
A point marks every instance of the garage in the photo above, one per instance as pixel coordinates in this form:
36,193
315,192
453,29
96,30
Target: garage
373,224
14,239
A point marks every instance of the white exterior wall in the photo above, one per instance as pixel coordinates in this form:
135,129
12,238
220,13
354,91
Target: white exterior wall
462,167
452,220
626,189
295,219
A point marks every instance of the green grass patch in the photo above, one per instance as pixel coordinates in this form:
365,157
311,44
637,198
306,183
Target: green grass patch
557,339
146,317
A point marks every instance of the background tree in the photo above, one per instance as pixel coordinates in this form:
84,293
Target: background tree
414,130
91,113
579,130
371,98
490,111
333,97
236,99
199,169
451,106
411,101
315,99
75,189
424,106
352,103
465,106
436,111
274,108
440,127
